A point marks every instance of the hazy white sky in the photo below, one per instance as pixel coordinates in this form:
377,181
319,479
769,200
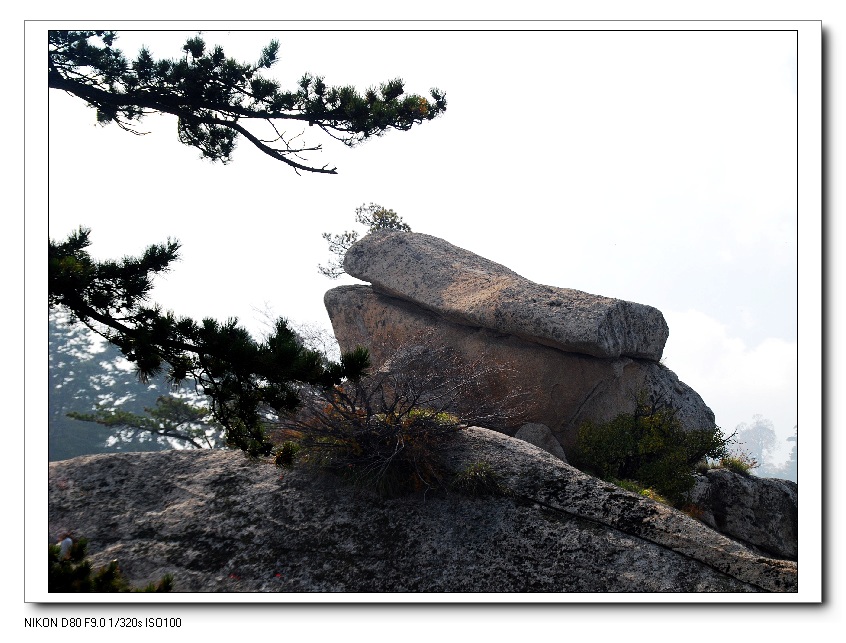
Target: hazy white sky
653,166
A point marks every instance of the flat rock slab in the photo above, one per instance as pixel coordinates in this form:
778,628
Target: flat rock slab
472,290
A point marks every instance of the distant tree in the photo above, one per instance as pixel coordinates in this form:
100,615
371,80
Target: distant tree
217,99
170,418
376,218
790,469
791,466
758,438
87,373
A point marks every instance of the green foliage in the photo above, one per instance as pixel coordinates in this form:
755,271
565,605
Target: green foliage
244,379
634,487
479,479
736,460
649,447
171,418
741,463
286,453
376,218
73,573
216,98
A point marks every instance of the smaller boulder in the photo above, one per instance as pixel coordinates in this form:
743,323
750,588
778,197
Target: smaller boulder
761,512
541,436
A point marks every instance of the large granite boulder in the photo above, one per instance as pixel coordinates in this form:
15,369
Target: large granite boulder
474,291
220,522
761,512
563,389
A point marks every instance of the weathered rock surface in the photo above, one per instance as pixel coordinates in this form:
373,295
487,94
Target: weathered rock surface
219,522
475,291
563,389
541,436
762,512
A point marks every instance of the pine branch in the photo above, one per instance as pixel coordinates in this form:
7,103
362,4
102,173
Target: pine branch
214,96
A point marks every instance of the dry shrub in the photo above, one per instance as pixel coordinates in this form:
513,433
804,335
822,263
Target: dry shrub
389,427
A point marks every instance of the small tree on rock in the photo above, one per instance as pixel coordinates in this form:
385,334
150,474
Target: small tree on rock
376,218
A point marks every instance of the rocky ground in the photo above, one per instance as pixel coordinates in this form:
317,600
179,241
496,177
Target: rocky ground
221,523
